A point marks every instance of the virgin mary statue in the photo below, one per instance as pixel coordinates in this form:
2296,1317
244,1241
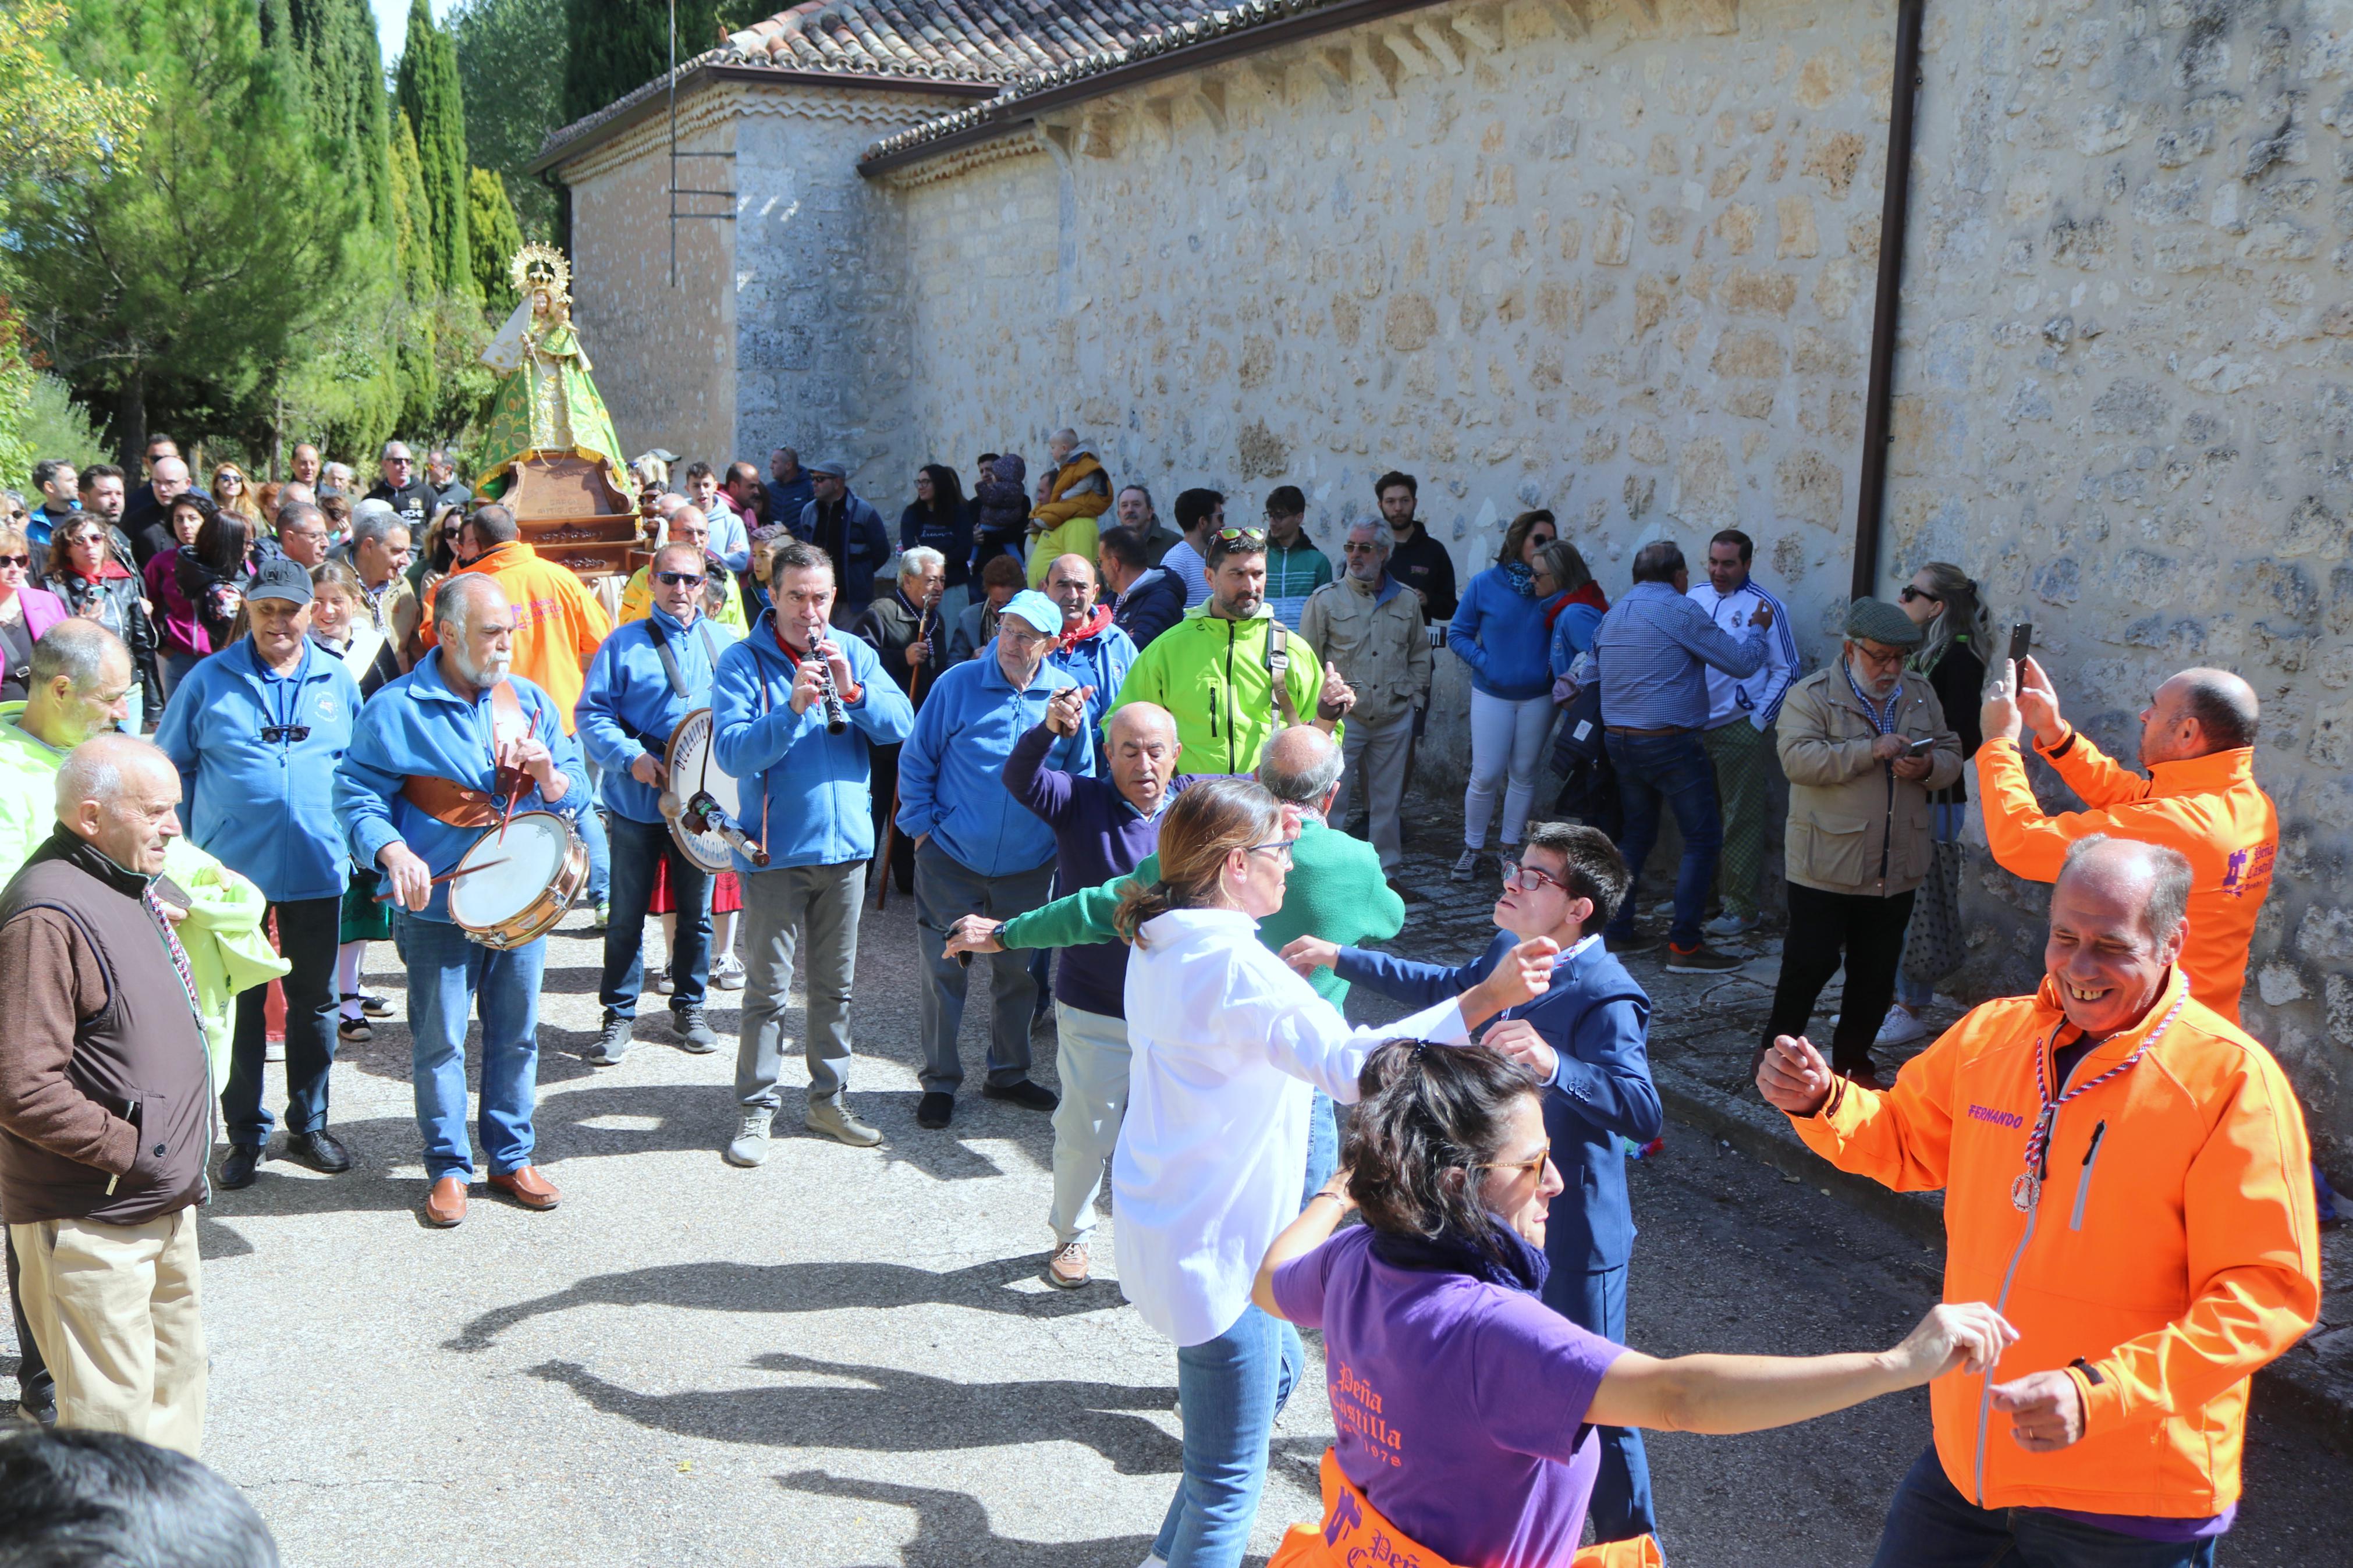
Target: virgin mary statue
546,403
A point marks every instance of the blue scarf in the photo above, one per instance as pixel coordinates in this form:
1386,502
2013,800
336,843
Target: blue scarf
1522,577
1516,1266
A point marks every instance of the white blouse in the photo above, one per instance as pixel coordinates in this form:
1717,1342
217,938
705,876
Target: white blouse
1224,1040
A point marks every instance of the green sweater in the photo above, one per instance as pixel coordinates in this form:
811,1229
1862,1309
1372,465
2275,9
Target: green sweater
1336,892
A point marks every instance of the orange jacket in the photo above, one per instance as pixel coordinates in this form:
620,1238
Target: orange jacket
2171,1252
2209,807
557,624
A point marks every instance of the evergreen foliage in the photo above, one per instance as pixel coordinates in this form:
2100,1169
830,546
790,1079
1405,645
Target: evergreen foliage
511,64
429,98
341,67
619,46
496,235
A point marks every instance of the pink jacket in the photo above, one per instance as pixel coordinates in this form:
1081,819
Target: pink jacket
43,610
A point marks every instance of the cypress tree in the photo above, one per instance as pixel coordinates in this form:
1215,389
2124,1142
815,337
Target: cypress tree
430,99
341,67
619,46
490,224
510,63
412,213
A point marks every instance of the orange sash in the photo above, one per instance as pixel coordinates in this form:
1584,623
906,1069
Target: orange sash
1354,1533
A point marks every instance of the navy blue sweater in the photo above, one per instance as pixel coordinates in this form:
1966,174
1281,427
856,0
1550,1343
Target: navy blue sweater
1598,1019
1098,835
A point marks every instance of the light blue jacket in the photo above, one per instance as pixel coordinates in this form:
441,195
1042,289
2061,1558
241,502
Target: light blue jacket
1103,662
1572,634
818,806
1500,634
952,773
628,708
417,725
264,808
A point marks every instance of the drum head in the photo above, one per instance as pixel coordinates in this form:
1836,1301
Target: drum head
533,852
693,770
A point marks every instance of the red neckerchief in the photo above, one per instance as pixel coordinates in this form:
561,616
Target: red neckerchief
1590,594
1092,626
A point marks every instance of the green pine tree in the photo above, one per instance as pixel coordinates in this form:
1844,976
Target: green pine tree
412,213
619,46
511,64
342,80
430,98
496,235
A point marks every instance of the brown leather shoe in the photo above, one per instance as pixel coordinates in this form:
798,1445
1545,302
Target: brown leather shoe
529,1188
445,1206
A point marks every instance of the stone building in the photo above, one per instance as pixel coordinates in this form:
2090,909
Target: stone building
1613,256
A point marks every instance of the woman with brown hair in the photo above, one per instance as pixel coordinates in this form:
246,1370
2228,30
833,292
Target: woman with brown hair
232,491
1228,1045
1502,630
82,572
25,612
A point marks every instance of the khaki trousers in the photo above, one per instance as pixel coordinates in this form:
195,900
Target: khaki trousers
114,1309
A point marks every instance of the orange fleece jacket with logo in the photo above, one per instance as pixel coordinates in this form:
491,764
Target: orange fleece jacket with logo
2170,1252
2209,807
557,624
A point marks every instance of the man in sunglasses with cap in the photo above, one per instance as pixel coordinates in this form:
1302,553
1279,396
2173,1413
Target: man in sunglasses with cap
256,731
1231,674
645,679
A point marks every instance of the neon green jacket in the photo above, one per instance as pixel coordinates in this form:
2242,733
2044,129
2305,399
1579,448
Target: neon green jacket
1211,675
228,952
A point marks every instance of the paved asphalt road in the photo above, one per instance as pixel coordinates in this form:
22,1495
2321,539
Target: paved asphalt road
846,1357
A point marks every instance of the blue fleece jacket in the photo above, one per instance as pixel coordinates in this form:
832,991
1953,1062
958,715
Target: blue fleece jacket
1598,1020
1098,835
264,808
417,725
1500,634
1572,634
809,790
628,707
952,772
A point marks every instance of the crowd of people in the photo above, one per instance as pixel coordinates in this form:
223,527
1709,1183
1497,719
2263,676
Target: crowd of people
1059,725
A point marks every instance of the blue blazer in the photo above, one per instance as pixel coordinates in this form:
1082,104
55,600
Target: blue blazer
1598,1019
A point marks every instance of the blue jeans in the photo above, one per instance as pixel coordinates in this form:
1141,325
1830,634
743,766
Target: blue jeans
1672,768
1323,1146
448,975
638,850
1931,1525
600,855
1232,1388
1621,1506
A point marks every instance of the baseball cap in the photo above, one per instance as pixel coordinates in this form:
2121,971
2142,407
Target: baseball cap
280,578
1042,614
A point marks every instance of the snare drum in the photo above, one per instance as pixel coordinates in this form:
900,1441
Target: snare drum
530,876
694,777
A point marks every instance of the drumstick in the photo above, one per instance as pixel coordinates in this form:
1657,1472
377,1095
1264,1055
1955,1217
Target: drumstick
515,792
385,898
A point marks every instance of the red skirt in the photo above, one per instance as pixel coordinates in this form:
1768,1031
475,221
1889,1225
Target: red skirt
726,892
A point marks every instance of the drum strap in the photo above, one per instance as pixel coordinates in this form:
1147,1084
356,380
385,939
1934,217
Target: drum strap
669,660
447,801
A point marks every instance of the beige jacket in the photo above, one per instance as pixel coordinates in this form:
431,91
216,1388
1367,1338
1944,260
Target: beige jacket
1380,648
1854,827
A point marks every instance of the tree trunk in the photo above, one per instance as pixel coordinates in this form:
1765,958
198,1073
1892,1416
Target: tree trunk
130,419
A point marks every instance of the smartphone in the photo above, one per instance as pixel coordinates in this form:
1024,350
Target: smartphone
1921,747
2020,636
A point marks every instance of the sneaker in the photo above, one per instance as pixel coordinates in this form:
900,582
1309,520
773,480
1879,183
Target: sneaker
728,972
274,1050
1023,1092
1728,924
664,984
692,1031
1699,960
604,916
832,1119
353,1031
750,1146
1465,866
1067,1269
936,1109
1900,1027
613,1043
373,1007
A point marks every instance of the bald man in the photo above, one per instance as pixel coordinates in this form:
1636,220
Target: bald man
2125,1174
2198,741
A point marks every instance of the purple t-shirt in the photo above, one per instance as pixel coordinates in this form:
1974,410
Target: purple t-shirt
1460,1405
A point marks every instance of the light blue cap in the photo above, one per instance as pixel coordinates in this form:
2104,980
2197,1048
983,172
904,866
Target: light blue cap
1034,608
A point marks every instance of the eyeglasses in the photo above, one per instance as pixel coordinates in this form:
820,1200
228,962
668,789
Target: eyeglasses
399,462
1911,592
1532,1167
1527,878
16,561
1279,846
1241,538
679,579
274,733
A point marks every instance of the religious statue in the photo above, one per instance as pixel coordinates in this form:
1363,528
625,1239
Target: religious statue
547,402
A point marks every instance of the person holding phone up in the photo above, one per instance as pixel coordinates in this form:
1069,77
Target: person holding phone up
1863,743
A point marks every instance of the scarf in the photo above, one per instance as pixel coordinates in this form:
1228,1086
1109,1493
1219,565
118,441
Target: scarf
1092,626
1590,594
1522,1267
1522,577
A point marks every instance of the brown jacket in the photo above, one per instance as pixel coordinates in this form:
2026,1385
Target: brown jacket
1854,827
105,1094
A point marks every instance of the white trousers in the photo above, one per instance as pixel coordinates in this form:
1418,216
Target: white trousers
1507,740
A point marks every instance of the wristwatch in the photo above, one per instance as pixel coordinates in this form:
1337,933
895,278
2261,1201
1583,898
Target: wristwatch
996,933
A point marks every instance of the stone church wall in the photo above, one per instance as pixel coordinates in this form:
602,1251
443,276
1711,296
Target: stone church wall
1616,258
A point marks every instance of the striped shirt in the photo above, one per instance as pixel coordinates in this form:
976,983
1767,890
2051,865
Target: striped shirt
1653,650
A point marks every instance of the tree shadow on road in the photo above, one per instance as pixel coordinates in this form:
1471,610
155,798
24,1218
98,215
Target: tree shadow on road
798,1287
952,1528
896,1412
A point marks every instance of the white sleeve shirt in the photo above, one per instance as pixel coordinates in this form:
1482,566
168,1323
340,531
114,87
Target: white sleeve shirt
1755,698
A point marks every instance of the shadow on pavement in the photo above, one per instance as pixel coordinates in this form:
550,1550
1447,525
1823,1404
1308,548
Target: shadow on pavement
898,1412
800,1288
952,1528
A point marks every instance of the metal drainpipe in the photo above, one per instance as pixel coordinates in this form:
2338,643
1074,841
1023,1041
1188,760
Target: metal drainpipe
1870,501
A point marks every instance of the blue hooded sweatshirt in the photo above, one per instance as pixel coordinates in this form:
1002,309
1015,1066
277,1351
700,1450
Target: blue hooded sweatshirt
417,725
1500,634
264,808
952,773
806,790
628,708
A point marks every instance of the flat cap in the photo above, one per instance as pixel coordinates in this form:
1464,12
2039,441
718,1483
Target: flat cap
833,466
1882,623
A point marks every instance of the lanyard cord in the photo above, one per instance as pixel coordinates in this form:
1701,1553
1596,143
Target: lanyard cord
2037,1143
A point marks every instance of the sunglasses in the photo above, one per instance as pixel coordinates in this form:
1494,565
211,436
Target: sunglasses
16,561
1531,1168
274,733
1245,538
1911,592
679,579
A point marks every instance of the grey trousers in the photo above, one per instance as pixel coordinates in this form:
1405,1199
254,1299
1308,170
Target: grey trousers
1376,760
944,890
782,908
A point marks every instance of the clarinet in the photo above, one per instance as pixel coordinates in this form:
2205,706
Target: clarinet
837,718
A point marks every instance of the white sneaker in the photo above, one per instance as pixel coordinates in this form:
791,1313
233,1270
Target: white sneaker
1728,924
728,972
750,1146
1466,866
1900,1027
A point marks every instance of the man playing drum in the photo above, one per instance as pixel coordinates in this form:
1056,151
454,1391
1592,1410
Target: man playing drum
647,677
442,759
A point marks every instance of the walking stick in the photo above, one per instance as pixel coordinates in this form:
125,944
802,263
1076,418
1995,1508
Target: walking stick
891,827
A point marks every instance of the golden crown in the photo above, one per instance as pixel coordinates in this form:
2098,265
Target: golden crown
541,266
